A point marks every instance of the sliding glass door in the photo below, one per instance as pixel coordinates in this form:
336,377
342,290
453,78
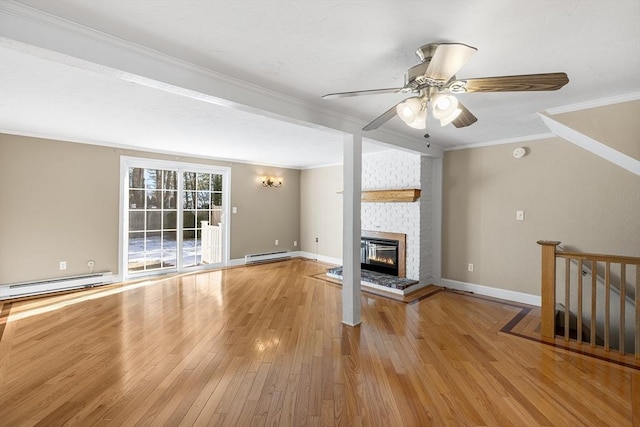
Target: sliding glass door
173,216
201,218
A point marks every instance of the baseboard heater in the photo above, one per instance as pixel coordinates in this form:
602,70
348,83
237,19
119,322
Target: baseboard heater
55,285
265,257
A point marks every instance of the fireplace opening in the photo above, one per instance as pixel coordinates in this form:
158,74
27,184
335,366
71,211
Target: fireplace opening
379,255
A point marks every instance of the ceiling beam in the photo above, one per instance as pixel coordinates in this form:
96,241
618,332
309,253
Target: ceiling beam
31,31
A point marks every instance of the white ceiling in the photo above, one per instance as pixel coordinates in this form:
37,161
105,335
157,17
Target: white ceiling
41,97
306,49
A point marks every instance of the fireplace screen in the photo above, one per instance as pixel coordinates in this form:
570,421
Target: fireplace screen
379,255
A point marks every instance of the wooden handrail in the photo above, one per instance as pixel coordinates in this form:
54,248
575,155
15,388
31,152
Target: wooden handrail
615,259
550,253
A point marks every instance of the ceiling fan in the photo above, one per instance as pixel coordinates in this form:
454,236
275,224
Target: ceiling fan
435,83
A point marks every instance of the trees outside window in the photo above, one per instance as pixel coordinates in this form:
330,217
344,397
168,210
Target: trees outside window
165,213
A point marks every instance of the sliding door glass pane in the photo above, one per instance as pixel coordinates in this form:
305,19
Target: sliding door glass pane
152,219
170,249
202,218
189,219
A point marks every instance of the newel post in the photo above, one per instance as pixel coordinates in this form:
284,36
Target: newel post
548,291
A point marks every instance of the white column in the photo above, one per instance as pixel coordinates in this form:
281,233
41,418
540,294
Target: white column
352,171
436,218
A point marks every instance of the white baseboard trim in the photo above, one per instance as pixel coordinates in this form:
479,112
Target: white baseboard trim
492,292
322,258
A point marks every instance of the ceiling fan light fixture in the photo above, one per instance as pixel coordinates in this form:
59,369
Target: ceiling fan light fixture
444,106
409,109
420,122
434,81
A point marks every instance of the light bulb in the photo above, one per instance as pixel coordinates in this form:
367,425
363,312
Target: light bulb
443,103
407,112
409,109
444,106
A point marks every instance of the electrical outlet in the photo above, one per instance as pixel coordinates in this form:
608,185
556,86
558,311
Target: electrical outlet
276,242
316,240
519,215
470,267
63,265
295,243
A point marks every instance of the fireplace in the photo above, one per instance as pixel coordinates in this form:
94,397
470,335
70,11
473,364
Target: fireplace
383,252
379,255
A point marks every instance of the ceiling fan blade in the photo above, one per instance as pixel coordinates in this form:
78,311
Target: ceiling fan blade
448,60
525,82
466,118
382,118
362,92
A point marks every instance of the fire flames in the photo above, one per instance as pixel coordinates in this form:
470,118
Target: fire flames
384,260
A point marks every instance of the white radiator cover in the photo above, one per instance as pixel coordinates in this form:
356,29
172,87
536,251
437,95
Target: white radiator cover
54,285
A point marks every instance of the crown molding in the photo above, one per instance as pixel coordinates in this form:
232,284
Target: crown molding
178,155
602,102
634,96
515,140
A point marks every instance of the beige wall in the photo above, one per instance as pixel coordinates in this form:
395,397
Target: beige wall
617,126
567,193
59,201
264,214
321,211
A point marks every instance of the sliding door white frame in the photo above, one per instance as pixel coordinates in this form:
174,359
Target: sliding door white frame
127,162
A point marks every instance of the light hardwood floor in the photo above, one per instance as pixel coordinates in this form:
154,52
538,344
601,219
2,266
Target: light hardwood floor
263,345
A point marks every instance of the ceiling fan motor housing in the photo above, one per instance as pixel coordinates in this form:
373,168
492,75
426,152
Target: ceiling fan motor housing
416,73
426,52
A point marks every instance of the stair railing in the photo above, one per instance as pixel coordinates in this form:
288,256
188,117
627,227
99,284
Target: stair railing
550,256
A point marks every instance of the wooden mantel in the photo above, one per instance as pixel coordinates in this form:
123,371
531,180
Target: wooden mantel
406,195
